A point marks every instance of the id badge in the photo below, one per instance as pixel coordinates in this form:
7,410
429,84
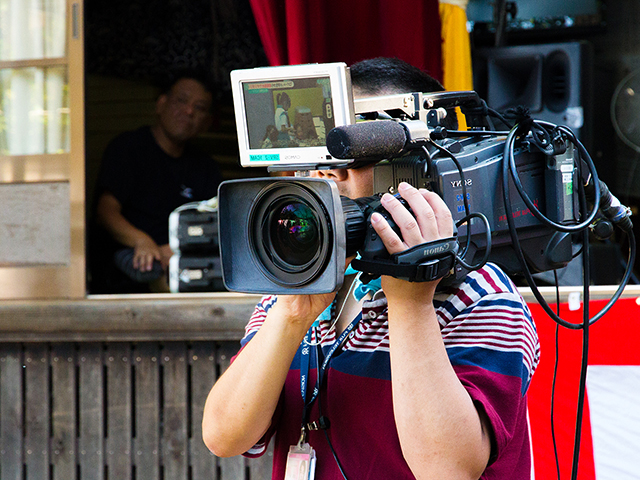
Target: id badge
301,463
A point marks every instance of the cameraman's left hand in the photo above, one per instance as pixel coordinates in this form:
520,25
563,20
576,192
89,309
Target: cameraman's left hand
431,220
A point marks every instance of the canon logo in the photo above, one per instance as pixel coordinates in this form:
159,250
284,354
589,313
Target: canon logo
435,250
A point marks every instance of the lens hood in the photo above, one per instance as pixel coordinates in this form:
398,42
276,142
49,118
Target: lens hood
281,235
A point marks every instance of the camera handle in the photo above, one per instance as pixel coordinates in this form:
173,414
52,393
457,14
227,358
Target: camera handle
422,263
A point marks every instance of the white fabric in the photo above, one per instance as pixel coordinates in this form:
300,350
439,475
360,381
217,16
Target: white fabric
614,397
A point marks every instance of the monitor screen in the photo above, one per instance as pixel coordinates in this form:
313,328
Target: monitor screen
283,114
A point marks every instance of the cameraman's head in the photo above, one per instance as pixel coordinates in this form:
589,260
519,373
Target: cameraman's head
376,77
388,76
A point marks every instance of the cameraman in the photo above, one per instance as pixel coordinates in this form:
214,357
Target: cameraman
421,383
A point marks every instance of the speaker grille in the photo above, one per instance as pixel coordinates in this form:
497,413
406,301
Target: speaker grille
557,82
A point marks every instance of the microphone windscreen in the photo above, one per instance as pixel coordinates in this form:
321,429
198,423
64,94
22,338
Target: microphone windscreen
375,139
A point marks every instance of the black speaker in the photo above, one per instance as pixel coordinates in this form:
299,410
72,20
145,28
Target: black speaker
552,80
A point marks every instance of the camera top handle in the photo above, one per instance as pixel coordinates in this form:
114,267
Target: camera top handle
417,105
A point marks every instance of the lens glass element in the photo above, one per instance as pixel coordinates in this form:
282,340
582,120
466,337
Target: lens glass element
291,232
294,233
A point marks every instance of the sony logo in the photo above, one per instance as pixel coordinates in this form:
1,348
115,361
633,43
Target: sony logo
458,183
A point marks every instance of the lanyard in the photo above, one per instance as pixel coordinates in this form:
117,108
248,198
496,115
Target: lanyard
304,366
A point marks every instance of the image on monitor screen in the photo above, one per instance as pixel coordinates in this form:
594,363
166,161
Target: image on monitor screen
288,113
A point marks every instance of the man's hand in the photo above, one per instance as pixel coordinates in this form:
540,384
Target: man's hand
145,251
302,310
431,220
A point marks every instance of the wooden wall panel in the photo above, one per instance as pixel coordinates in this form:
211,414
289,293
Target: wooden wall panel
113,411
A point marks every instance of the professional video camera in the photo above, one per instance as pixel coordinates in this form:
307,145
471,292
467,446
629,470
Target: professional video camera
515,196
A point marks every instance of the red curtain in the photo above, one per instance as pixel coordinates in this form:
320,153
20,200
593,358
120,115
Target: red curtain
320,31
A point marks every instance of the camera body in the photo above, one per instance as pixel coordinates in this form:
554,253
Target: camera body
292,234
481,162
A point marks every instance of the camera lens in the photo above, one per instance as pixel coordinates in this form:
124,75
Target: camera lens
294,233
291,234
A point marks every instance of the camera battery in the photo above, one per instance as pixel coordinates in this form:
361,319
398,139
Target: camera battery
560,187
193,231
195,274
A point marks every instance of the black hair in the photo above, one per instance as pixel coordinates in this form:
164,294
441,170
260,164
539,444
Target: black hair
388,75
376,75
174,76
281,97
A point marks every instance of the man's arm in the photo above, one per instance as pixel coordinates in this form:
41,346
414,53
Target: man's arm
441,432
109,215
241,404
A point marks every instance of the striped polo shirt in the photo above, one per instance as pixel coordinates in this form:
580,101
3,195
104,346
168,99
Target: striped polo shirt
491,342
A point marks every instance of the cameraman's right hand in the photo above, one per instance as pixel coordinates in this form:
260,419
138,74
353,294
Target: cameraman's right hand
301,310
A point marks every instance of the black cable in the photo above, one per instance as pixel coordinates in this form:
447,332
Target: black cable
507,160
534,210
465,201
509,168
555,377
487,251
326,434
586,281
468,216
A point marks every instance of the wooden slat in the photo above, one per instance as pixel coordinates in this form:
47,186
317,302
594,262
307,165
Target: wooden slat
11,404
146,446
34,63
36,441
118,455
91,410
203,375
174,451
128,318
63,412
232,468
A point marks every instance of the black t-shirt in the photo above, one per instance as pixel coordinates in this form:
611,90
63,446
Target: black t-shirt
149,184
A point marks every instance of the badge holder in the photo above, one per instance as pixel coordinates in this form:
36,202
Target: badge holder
301,460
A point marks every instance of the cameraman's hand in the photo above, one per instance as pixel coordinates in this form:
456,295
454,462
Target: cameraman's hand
301,310
304,309
431,220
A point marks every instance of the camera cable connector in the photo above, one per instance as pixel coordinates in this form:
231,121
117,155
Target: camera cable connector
610,206
422,263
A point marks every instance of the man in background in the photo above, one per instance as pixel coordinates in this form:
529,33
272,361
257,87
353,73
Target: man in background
144,176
